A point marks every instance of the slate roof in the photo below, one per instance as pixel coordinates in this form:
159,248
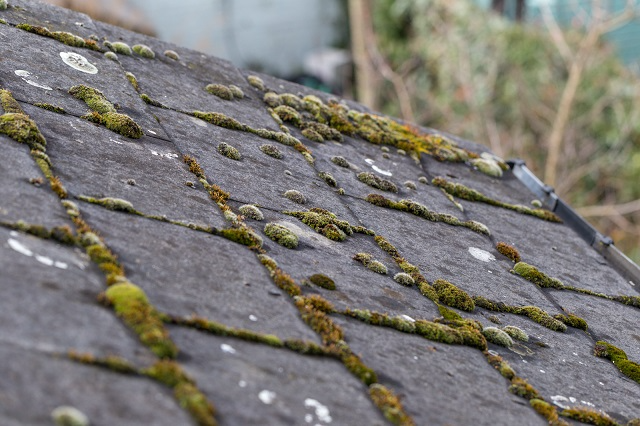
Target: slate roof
139,288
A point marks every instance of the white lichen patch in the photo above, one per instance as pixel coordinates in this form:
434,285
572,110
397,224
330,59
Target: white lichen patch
169,155
267,396
78,62
370,162
24,250
321,411
481,255
26,76
227,348
253,318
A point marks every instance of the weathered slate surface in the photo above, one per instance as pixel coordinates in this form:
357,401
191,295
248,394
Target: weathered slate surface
149,253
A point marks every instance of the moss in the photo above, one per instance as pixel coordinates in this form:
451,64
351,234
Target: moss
171,54
497,336
547,411
49,107
119,48
304,347
410,185
143,50
236,91
340,161
572,321
66,415
619,358
251,211
588,415
61,36
328,178
542,318
508,251
487,166
146,99
501,365
219,120
448,314
295,196
319,321
194,167
531,273
523,389
229,151
94,99
241,235
288,114
494,319
256,82
325,223
116,204
377,182
453,296
22,129
367,260
272,99
9,104
423,180
404,279
323,281
312,135
133,80
58,187
516,333
390,405
131,304
111,362
628,300
219,329
291,100
317,302
271,151
281,235
325,132
220,90
3,6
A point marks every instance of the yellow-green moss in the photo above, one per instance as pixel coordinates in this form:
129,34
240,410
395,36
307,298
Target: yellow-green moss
404,279
547,411
116,204
22,129
588,415
194,167
111,362
619,358
171,54
229,151
377,182
271,151
501,365
130,303
340,161
367,260
390,405
143,50
453,296
541,317
497,336
133,80
256,82
251,211
523,389
220,120
531,273
572,321
319,321
328,178
9,104
312,135
50,107
508,251
324,222
118,47
323,281
281,235
288,114
241,235
628,300
220,90
516,333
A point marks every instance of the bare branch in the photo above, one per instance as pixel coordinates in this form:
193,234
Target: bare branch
610,209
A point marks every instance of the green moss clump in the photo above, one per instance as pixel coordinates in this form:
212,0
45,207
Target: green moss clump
49,107
271,151
256,82
3,6
272,99
119,48
588,415
281,235
323,281
312,135
133,80
619,359
295,196
377,182
241,235
340,161
132,306
390,405
194,167
9,104
410,185
628,300
466,193
236,91
219,120
66,415
531,273
453,296
523,389
508,251
111,362
304,347
404,279
516,333
171,54
328,178
220,90
229,151
288,114
501,365
547,411
324,222
319,321
572,321
251,211
116,204
367,260
111,56
497,336
22,129
94,99
542,318
143,50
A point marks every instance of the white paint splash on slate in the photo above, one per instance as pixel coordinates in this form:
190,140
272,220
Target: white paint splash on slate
267,396
26,77
322,412
480,254
78,62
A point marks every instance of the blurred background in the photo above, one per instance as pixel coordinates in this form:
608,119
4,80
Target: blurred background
555,82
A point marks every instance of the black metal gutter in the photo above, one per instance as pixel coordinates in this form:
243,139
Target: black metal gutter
603,244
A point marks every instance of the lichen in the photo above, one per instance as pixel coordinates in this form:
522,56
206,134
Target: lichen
281,235
508,251
497,336
487,166
377,182
295,196
251,211
323,281
229,151
220,90
453,296
143,50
